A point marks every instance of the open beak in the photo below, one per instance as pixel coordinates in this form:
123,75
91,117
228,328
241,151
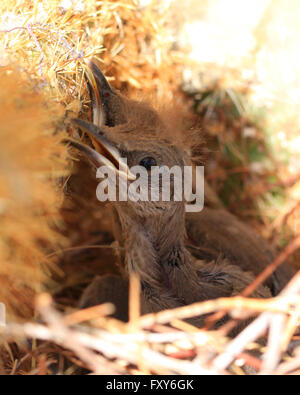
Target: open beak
105,153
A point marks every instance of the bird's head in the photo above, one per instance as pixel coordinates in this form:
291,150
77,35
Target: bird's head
126,134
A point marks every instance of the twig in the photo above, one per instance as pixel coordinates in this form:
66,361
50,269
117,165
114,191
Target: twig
235,304
255,330
289,249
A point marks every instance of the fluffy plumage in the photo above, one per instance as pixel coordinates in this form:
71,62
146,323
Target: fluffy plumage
152,235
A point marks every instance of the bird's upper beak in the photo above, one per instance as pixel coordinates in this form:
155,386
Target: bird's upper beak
101,93
105,152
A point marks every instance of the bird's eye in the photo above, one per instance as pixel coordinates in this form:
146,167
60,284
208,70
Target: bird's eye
148,162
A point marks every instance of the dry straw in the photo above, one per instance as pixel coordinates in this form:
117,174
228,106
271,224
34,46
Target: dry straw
32,159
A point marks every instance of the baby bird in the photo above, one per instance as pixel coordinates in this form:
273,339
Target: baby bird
175,268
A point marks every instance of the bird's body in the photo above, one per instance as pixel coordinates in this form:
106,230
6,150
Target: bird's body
171,276
216,231
180,259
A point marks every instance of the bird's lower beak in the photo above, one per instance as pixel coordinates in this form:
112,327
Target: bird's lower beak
104,153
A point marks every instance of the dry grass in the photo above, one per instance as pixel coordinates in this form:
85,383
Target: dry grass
32,160
50,40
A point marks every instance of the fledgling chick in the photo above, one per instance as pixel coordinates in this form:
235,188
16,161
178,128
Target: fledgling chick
152,234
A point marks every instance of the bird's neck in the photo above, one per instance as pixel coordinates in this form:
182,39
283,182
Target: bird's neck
154,244
166,232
